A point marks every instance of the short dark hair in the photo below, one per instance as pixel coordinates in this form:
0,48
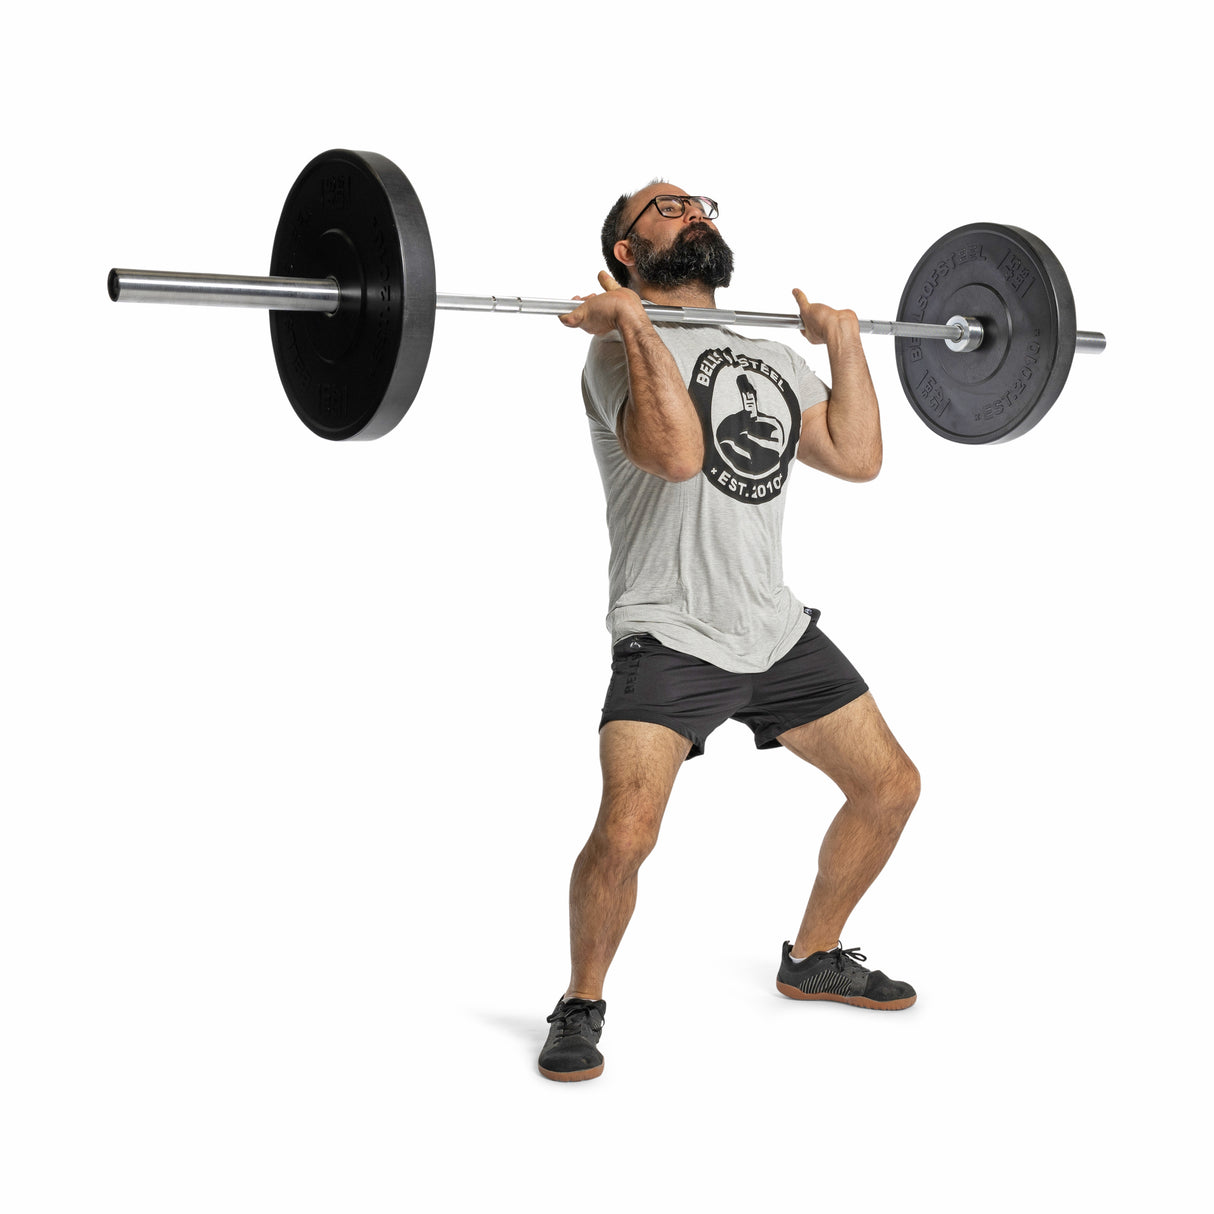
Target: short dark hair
612,233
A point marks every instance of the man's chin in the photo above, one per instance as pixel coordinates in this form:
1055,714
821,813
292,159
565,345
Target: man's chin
681,265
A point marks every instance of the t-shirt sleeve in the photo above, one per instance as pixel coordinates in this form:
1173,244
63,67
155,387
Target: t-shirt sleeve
605,381
810,389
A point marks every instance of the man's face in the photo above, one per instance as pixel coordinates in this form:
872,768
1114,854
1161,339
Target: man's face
671,252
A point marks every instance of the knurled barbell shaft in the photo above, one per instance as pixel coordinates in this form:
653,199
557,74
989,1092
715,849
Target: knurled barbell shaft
687,316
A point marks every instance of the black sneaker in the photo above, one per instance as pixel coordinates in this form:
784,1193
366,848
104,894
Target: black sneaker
839,976
571,1051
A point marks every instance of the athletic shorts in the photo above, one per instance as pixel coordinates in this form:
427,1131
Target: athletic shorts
651,682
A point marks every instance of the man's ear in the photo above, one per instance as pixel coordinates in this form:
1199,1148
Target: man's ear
623,254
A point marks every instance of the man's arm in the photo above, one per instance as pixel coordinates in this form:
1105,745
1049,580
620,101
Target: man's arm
844,439
659,428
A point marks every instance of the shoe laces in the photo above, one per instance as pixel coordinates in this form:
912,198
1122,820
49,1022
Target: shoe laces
573,1019
843,955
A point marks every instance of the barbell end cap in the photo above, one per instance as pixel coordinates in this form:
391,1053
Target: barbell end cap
114,285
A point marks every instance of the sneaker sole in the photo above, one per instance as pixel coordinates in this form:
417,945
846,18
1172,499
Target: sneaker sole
573,1076
890,1005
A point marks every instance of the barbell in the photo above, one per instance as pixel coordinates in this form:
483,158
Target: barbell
984,339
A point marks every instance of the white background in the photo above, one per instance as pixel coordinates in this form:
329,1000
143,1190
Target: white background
299,738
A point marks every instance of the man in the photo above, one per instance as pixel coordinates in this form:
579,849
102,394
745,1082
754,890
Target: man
695,430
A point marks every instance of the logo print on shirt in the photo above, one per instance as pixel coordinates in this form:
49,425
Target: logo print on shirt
752,424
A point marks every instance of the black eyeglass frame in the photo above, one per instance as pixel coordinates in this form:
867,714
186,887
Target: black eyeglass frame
710,211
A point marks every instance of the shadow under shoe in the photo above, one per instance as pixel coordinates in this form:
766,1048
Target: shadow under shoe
571,1051
837,975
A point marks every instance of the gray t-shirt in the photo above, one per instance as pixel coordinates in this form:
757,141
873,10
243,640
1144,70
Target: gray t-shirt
699,564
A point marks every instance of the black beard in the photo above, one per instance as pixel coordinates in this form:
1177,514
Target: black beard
698,254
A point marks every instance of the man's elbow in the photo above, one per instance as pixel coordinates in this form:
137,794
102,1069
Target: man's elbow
671,465
678,471
860,470
869,470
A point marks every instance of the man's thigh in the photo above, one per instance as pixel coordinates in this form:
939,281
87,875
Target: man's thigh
640,761
853,745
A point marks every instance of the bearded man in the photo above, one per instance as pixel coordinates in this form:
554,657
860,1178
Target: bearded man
696,429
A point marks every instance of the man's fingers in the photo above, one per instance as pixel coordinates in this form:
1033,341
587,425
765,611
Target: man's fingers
574,317
597,314
802,304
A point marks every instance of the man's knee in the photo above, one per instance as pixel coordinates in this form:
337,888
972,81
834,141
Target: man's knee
896,793
625,834
904,795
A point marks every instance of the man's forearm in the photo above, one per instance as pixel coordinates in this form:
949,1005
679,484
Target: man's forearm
852,416
661,429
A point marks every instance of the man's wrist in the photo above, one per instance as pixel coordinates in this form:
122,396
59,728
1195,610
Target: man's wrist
842,328
631,316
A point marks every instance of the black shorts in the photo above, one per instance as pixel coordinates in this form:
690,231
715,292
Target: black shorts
650,682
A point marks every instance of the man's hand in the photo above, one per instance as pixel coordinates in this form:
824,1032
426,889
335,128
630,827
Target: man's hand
600,314
820,323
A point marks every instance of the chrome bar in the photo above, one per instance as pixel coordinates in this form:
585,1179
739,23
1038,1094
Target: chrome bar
324,295
689,316
225,290
910,328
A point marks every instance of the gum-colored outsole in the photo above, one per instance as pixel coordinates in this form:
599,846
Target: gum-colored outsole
892,1005
573,1076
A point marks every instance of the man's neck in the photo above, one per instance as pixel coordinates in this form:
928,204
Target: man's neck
687,295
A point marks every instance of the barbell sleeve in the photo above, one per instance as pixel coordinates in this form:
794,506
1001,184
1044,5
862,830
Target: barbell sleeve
225,290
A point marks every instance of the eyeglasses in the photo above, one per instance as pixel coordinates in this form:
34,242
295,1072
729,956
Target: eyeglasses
671,206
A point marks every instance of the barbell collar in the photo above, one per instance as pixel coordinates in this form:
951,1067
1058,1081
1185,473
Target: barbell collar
970,337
